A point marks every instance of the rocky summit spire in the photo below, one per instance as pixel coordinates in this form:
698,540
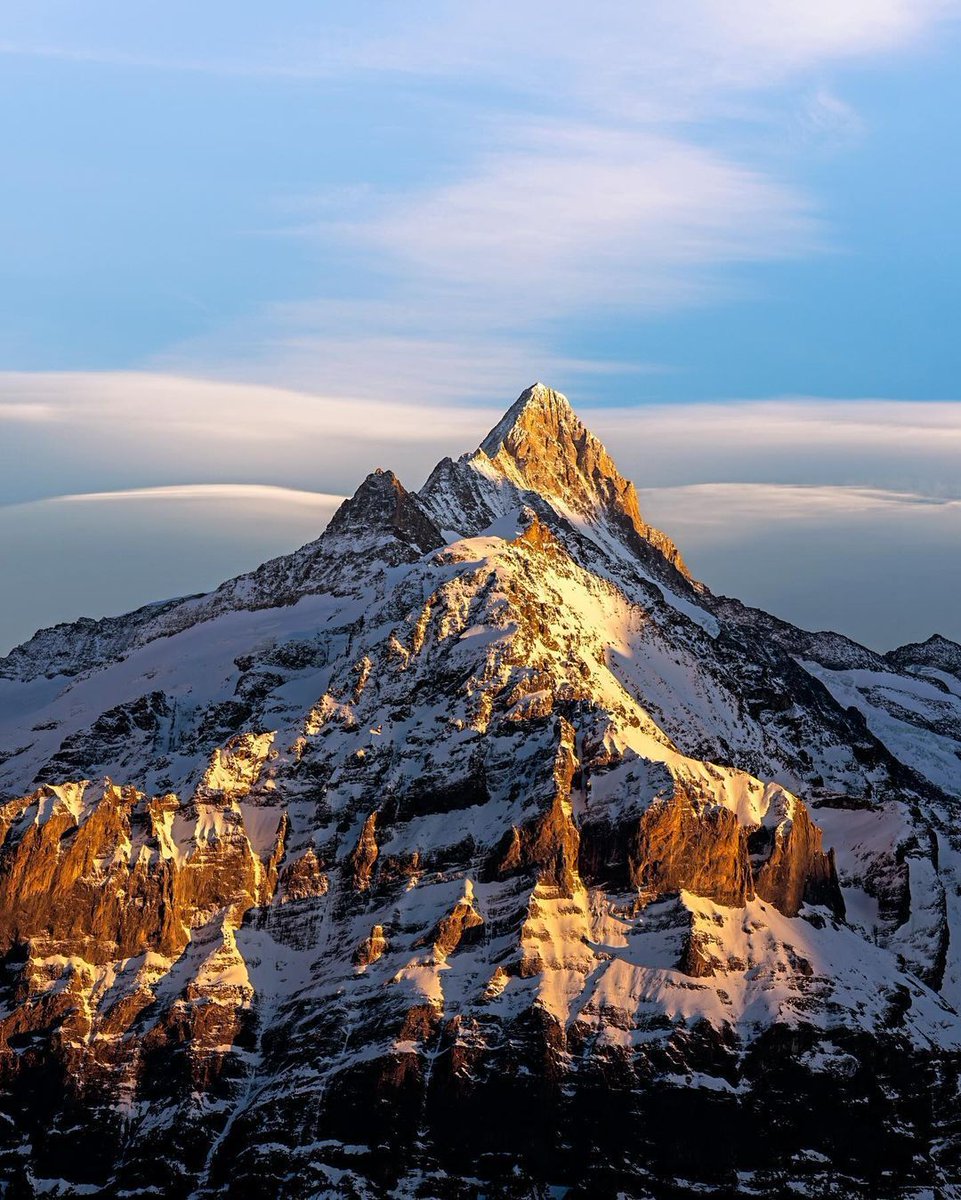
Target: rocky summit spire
542,446
537,411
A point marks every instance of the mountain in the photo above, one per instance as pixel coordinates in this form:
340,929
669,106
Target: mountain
475,849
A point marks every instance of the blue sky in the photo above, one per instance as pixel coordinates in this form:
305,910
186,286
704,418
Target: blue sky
177,174
424,208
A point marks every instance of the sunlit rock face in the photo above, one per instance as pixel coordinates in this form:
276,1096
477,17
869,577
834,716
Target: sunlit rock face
474,849
542,446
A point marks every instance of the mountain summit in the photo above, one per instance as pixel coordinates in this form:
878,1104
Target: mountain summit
474,849
383,506
539,416
540,448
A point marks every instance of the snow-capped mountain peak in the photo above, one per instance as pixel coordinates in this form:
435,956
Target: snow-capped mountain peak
538,413
542,446
472,849
541,452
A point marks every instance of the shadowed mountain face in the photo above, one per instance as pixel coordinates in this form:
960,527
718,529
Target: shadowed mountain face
475,849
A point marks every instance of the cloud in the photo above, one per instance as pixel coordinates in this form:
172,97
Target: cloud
719,506
418,353
263,496
108,431
784,36
567,218
25,411
826,119
475,278
903,446
640,60
608,171
736,42
105,432
584,165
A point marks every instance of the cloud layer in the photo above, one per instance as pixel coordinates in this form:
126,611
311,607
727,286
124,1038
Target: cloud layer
99,432
880,566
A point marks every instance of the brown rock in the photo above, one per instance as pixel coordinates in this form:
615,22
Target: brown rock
362,858
796,868
700,847
464,923
371,948
550,842
542,445
303,878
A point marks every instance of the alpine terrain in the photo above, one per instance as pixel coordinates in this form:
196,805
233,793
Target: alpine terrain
477,850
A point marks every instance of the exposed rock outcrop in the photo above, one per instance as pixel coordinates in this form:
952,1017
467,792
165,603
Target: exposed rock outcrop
364,856
371,948
793,867
542,446
382,503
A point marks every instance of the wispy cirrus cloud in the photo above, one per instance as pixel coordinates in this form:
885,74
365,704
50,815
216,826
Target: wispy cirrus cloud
589,163
476,278
737,43
599,162
564,218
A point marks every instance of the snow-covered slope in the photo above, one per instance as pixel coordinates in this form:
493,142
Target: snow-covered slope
476,849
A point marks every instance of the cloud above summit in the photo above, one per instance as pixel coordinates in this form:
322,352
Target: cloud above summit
565,218
150,430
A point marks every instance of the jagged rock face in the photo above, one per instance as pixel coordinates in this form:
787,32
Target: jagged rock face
486,861
682,843
795,868
678,848
541,453
543,447
382,503
936,656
